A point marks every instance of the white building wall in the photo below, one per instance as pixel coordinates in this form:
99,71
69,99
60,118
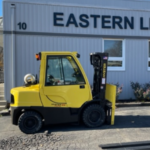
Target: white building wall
41,35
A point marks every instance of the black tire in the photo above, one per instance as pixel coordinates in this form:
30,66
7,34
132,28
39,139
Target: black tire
30,122
93,116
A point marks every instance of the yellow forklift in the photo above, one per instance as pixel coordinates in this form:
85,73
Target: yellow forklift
63,93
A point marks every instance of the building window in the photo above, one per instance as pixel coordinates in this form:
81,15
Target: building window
149,55
115,49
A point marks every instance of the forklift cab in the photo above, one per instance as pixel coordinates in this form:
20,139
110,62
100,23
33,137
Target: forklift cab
65,84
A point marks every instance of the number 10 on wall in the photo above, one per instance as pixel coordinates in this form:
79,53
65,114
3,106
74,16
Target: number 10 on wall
22,25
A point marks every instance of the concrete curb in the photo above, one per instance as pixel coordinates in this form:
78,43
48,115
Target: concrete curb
132,104
5,112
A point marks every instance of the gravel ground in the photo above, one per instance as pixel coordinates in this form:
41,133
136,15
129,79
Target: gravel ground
131,125
42,141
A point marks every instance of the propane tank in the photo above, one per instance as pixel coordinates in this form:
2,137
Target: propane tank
29,79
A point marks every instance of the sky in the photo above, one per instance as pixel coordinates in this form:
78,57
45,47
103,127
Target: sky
0,7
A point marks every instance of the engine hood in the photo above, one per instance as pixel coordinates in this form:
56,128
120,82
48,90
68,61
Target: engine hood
25,96
31,88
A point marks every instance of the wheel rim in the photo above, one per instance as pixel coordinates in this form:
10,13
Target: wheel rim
94,116
30,123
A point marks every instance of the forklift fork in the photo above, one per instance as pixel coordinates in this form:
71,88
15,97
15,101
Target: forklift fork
110,96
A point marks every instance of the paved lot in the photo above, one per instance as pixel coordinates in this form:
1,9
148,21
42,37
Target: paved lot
131,125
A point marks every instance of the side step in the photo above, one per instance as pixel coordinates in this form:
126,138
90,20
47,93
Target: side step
1,97
3,102
142,145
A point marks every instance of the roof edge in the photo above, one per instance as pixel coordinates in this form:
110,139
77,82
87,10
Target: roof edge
81,5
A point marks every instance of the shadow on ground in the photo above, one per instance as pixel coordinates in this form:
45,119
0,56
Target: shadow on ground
120,122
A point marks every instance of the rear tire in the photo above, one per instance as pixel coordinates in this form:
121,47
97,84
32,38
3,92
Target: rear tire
30,122
93,116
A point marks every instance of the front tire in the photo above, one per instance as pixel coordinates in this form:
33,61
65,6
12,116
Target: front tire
93,116
30,122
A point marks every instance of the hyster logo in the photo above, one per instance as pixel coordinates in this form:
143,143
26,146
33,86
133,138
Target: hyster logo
104,70
106,21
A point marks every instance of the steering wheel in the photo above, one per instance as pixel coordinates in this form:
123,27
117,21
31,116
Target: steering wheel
51,79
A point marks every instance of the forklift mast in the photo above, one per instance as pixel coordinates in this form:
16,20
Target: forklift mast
99,62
